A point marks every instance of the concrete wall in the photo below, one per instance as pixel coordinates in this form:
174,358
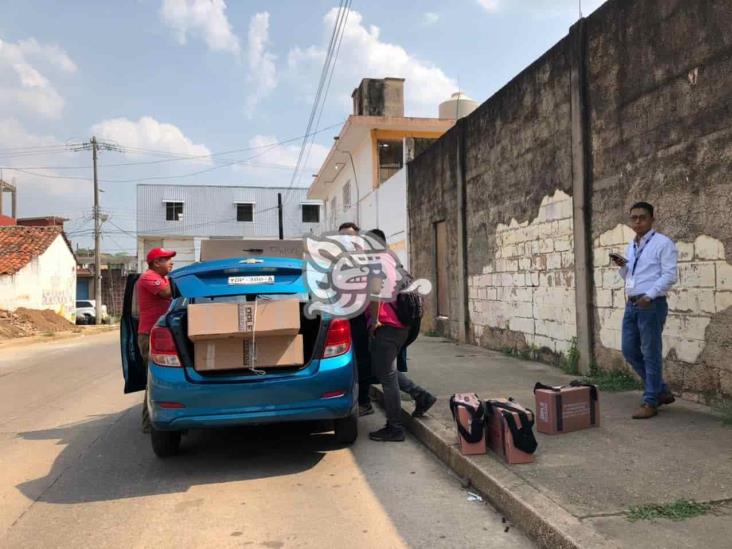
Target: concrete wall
47,282
657,111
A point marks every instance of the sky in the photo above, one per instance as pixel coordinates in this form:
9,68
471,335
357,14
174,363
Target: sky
220,92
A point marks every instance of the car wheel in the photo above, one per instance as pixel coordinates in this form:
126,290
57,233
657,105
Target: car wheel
346,429
164,443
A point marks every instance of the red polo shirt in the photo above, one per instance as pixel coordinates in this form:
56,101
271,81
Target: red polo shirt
152,306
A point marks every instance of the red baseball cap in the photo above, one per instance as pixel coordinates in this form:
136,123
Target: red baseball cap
158,253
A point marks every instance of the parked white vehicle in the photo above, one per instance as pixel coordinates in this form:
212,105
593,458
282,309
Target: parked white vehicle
86,312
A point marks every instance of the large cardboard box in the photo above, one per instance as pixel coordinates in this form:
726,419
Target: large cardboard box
467,411
502,416
260,352
237,320
562,409
226,248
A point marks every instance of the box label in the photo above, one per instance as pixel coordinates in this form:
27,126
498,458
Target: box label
576,409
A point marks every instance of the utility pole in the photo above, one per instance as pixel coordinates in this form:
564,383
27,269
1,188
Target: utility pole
95,145
97,241
279,215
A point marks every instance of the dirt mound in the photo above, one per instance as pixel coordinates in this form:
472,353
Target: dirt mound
26,322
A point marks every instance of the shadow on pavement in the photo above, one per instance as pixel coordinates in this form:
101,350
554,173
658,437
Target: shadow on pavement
108,458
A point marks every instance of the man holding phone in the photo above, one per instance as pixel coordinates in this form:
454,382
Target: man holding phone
649,271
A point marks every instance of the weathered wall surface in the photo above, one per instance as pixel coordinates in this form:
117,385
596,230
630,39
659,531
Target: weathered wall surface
47,282
431,198
658,112
529,289
660,97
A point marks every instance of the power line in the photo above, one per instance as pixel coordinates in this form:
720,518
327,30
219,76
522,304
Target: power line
177,157
327,89
327,66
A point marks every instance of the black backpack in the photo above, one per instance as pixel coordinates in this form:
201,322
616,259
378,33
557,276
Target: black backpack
409,305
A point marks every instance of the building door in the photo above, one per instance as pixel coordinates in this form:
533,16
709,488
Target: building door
82,288
441,259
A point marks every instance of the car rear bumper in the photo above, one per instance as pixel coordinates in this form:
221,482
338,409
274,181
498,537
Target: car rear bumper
303,398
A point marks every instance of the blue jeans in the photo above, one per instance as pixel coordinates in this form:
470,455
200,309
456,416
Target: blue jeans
402,359
643,345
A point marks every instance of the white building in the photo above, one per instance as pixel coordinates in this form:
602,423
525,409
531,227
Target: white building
37,269
179,217
364,178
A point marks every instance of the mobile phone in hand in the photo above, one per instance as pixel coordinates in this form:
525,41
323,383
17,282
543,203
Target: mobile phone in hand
618,259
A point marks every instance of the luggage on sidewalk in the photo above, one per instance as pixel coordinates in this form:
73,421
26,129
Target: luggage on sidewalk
469,415
566,408
509,430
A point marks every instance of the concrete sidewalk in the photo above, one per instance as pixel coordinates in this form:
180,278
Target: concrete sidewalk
577,491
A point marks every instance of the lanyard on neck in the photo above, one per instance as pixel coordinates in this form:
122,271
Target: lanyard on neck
640,251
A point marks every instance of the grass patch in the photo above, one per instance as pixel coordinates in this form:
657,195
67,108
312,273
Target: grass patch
677,511
570,362
613,381
47,334
526,353
725,409
432,333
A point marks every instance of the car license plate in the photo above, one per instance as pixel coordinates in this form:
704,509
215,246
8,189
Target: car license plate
251,280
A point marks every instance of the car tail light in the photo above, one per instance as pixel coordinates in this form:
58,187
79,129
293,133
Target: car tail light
332,394
162,348
338,340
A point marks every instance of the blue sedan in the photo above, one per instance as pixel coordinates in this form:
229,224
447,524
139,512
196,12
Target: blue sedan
324,387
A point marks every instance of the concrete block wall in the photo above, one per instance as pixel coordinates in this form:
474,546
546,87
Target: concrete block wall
657,112
529,287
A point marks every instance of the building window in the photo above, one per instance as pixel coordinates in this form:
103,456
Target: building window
245,212
347,196
173,211
310,213
391,158
333,210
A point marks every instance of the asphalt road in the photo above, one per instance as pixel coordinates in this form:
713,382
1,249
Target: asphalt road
75,471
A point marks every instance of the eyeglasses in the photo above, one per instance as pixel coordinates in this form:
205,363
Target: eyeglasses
642,217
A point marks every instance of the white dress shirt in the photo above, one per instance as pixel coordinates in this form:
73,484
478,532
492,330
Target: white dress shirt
651,266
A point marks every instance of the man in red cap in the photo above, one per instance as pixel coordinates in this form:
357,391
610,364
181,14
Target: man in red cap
153,298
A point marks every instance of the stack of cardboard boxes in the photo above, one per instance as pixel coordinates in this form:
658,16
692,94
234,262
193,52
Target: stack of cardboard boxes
248,335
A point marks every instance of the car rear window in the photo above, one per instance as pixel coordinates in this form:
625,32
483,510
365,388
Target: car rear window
81,304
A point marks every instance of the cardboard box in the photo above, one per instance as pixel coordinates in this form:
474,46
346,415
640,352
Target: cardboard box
223,249
237,354
567,408
499,432
238,320
467,411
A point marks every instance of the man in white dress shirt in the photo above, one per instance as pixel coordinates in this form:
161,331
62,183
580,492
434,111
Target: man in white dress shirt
649,270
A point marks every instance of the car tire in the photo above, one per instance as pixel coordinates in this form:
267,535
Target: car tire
164,443
346,429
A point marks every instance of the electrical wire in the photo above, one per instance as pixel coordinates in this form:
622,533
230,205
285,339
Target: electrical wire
324,75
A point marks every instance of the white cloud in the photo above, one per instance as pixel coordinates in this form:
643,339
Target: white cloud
37,184
272,164
430,18
364,54
489,5
262,73
544,8
204,18
23,85
148,133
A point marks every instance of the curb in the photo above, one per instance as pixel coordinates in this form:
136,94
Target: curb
57,336
536,514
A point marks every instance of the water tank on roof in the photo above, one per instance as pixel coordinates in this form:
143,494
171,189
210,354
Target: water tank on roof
457,106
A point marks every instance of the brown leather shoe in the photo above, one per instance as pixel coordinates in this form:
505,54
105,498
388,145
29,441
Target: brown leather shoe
666,398
646,411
